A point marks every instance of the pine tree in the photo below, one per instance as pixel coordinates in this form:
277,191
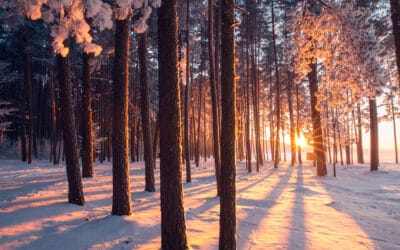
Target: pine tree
227,223
122,204
87,136
75,191
214,100
395,15
145,112
173,228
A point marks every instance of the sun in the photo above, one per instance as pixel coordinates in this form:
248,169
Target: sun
301,141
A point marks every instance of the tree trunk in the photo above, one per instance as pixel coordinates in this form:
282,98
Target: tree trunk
394,130
214,100
53,116
145,112
87,135
360,153
75,191
278,93
395,15
291,123
173,228
298,124
200,105
373,116
318,143
122,204
155,142
227,233
28,78
187,96
248,138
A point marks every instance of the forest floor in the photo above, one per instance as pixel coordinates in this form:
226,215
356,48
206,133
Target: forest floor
285,208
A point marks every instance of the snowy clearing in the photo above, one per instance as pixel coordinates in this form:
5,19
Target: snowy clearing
287,208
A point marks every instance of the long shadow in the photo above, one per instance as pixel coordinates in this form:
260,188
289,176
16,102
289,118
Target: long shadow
214,201
269,201
297,235
374,212
109,227
23,189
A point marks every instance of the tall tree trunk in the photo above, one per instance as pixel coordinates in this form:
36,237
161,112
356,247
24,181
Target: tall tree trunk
318,143
298,124
75,191
173,228
291,123
200,105
256,111
187,96
217,59
145,112
278,92
122,204
395,15
360,153
214,100
373,116
53,116
28,85
87,135
227,233
248,138
394,130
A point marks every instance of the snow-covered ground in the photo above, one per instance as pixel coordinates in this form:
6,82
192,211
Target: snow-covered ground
287,208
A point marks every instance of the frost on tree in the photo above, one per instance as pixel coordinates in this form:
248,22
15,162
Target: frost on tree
342,41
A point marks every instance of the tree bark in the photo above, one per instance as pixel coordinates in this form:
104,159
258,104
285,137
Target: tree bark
291,123
28,78
395,16
248,138
53,116
227,233
373,116
360,153
122,204
394,130
278,93
214,100
75,191
298,124
187,100
318,143
145,112
173,228
87,135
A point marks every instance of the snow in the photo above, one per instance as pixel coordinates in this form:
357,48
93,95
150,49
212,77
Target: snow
287,208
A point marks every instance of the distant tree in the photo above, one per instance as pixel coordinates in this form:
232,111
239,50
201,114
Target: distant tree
145,112
214,101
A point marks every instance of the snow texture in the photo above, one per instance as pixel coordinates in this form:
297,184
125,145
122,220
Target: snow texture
287,208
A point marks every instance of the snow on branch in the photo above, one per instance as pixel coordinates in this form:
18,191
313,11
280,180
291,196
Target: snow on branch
342,41
127,7
70,18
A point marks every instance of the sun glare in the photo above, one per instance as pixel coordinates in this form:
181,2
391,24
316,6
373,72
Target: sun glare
301,141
